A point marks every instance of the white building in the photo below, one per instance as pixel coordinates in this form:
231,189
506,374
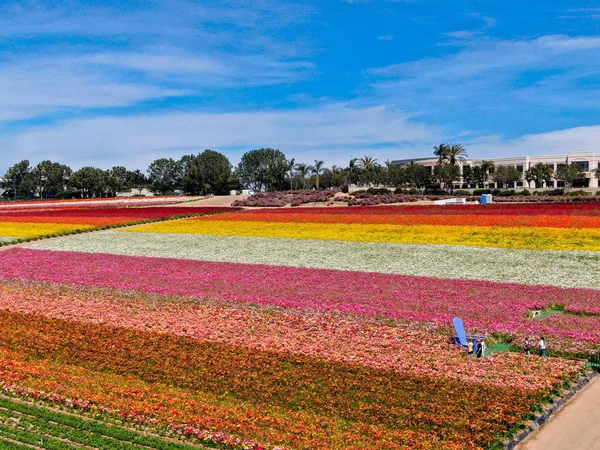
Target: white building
2,185
588,161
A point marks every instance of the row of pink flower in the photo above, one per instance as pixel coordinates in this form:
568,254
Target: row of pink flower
485,306
402,346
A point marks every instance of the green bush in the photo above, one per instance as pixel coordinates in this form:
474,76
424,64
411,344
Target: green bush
579,192
462,192
345,189
378,191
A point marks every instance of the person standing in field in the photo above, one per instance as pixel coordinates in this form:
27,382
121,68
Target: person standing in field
542,345
527,347
481,348
470,348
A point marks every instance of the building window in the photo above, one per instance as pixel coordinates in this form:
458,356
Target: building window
560,184
520,168
585,165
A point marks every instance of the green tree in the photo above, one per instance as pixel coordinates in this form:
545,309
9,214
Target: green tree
507,175
136,180
303,170
456,153
208,173
441,151
116,180
90,181
486,168
16,175
369,170
447,174
317,170
540,174
417,175
49,178
263,169
570,174
164,175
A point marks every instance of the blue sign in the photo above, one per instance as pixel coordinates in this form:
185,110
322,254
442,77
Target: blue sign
460,331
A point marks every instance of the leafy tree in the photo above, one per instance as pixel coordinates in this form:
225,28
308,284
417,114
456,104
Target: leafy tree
417,175
447,174
507,175
207,173
16,175
164,175
317,170
395,175
116,180
263,169
136,180
90,181
486,168
48,178
539,174
570,174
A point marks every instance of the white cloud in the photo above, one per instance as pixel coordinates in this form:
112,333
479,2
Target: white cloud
331,133
491,75
578,139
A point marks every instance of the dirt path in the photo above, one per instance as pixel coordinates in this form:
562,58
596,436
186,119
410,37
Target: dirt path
219,200
575,426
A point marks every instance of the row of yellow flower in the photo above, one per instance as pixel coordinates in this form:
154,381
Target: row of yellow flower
27,230
535,238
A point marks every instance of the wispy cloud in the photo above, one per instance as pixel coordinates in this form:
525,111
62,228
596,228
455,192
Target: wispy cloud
386,37
85,57
578,139
490,75
336,130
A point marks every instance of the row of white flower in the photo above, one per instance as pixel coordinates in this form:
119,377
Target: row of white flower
95,202
558,268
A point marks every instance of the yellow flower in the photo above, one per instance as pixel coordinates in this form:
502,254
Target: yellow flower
533,238
26,230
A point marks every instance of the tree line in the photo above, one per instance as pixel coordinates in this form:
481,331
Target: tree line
267,169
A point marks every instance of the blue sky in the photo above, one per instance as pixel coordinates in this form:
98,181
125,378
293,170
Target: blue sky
124,82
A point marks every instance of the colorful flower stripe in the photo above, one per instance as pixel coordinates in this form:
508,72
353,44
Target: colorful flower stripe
405,347
103,202
556,268
36,224
485,306
72,220
501,237
148,212
562,209
417,219
292,388
26,230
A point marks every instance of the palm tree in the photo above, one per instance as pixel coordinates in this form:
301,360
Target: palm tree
441,151
303,170
486,166
456,153
367,162
291,168
317,170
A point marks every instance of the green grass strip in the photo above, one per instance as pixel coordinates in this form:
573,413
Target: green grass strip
88,432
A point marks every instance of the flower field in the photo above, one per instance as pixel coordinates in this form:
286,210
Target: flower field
18,224
308,328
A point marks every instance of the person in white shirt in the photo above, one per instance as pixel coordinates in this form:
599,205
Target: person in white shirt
542,345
